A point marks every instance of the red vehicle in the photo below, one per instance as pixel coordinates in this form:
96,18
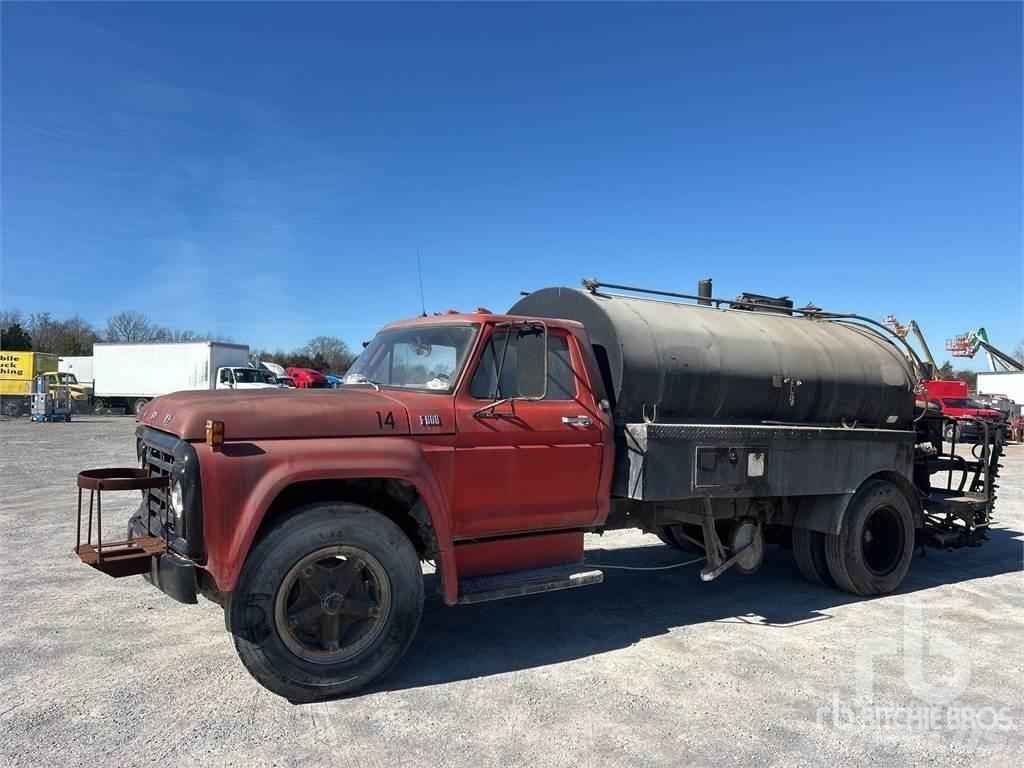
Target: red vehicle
489,444
308,378
954,399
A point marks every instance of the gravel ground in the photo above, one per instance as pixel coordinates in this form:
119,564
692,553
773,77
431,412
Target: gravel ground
645,669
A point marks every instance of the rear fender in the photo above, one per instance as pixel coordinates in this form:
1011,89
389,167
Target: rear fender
825,513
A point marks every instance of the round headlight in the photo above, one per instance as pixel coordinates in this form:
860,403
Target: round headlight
143,464
177,504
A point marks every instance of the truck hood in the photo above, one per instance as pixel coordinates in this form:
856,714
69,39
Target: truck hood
256,386
278,413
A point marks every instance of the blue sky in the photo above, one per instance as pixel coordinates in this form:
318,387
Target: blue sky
267,171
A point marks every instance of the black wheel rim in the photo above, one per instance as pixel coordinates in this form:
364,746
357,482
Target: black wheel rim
882,541
332,604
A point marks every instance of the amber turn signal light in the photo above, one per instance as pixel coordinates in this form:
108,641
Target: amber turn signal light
214,433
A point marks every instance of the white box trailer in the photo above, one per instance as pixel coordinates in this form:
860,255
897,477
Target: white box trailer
128,375
80,365
1009,383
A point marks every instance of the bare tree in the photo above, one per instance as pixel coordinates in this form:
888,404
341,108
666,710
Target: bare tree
77,336
9,317
129,326
330,352
45,332
163,333
966,374
1018,351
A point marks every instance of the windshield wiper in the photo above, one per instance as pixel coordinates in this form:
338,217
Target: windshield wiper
358,378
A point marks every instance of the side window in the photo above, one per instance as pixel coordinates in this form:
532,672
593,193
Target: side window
484,384
561,379
225,375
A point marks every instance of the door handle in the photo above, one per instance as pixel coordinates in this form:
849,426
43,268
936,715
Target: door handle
577,421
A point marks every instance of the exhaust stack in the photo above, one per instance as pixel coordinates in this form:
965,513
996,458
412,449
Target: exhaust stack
704,292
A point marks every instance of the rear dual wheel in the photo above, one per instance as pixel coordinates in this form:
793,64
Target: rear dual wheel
872,551
328,601
809,551
673,536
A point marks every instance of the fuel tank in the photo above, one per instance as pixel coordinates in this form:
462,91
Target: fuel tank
704,364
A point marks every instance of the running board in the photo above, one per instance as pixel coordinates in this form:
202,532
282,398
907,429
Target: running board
479,589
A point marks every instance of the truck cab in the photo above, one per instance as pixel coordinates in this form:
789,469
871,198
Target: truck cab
81,394
448,438
242,378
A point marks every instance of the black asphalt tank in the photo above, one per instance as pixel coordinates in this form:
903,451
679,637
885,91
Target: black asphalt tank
704,364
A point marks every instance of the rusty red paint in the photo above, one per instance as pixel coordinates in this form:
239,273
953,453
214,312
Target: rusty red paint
519,553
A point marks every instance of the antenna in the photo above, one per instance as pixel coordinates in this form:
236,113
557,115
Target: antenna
419,268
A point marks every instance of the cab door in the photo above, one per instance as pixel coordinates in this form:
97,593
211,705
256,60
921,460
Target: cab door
526,464
226,379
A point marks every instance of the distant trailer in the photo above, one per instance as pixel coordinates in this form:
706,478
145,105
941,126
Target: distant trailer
1009,383
130,375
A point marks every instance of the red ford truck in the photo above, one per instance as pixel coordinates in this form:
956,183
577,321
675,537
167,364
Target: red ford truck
954,400
489,444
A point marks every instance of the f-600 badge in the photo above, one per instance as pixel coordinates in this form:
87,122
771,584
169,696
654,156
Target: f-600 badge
430,421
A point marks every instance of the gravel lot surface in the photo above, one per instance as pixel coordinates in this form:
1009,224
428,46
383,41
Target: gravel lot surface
645,669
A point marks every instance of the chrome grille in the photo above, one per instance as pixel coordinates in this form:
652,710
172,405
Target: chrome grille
158,463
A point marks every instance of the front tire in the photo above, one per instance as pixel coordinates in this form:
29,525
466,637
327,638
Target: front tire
12,408
871,553
328,601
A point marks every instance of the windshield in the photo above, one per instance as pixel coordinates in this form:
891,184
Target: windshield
421,357
68,378
248,376
960,402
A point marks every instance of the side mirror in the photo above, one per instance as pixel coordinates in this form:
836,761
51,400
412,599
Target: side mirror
532,362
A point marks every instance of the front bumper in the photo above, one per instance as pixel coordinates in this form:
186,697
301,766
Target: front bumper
973,432
171,573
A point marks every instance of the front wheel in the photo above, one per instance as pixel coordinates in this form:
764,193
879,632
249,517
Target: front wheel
11,408
328,601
